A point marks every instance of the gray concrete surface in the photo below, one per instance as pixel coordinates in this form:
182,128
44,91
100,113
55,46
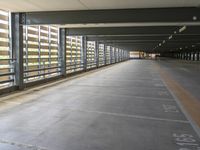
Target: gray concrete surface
124,107
187,73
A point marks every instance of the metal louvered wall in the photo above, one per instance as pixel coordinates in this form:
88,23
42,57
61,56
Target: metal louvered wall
113,54
91,55
101,55
41,54
6,61
108,55
117,55
74,54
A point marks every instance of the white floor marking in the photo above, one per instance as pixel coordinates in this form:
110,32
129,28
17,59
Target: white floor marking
22,145
170,108
186,141
132,96
132,116
190,120
10,102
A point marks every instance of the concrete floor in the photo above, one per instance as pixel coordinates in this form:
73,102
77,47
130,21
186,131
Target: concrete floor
123,107
187,73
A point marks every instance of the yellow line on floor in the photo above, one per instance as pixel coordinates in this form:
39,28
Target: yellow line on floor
189,102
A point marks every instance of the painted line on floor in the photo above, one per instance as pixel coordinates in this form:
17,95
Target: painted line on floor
22,145
130,96
10,102
122,87
188,104
132,116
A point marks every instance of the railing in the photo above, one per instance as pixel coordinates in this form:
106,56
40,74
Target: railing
7,72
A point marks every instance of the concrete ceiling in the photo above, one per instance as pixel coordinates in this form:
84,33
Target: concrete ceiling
51,5
171,41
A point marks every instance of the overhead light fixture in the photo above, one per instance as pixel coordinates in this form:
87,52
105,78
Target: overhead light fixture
180,48
160,44
174,32
182,29
193,45
163,41
170,37
194,18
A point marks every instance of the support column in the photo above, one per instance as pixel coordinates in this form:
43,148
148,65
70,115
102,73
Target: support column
62,48
194,55
120,55
104,53
84,40
179,55
186,55
175,55
17,20
182,55
111,55
198,53
115,54
97,53
190,55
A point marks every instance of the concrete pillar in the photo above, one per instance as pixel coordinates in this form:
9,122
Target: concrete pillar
187,56
104,53
62,49
179,55
198,53
114,54
194,56
97,53
84,45
190,56
110,54
17,48
182,55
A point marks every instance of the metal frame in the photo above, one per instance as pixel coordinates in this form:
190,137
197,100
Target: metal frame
84,42
17,48
75,51
58,70
45,40
142,31
97,53
62,46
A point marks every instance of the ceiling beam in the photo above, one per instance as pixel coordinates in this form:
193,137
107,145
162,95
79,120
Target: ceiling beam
175,42
145,15
138,31
105,38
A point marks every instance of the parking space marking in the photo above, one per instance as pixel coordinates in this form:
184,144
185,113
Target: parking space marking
186,142
170,108
22,145
132,116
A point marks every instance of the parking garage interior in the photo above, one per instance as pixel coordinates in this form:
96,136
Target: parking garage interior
99,75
